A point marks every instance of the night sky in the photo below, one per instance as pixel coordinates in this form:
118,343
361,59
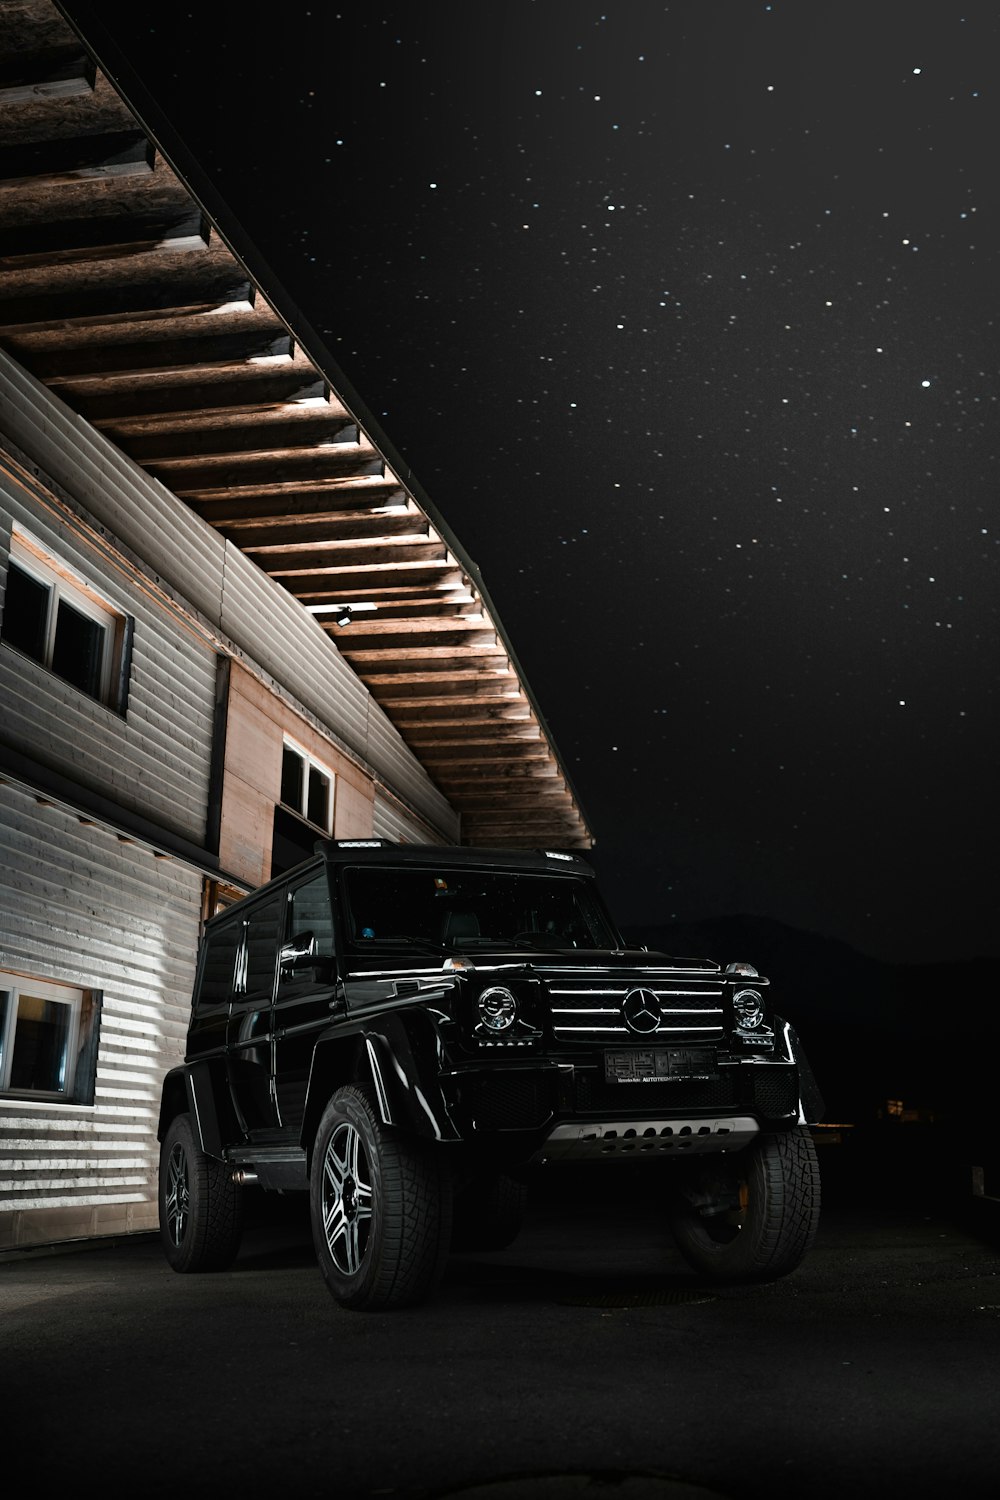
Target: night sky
704,298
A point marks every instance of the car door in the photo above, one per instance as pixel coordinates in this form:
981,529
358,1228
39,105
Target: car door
307,993
250,1020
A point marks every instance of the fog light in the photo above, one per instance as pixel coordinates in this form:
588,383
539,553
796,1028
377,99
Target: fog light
497,1008
749,1008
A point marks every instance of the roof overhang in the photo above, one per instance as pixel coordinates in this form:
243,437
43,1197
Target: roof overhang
127,289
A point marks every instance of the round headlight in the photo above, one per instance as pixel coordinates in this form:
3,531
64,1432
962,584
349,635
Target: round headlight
497,1008
749,1008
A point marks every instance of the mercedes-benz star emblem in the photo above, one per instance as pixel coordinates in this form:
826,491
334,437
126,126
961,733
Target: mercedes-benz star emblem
641,1010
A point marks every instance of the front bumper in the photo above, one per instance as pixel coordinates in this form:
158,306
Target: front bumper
560,1100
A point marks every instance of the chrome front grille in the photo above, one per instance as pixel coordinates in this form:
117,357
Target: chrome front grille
593,1013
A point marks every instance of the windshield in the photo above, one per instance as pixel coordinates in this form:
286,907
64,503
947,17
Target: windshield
450,908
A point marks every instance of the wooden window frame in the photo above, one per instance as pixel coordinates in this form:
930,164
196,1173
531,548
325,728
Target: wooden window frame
80,1048
65,586
310,764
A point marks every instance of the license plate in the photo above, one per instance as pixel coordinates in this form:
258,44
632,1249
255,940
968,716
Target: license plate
659,1064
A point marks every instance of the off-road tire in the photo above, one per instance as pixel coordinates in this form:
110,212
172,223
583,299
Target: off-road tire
489,1213
776,1181
380,1205
201,1218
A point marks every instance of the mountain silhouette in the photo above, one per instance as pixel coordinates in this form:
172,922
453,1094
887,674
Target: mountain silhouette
923,1034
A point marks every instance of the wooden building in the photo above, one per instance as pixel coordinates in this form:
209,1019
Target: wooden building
230,622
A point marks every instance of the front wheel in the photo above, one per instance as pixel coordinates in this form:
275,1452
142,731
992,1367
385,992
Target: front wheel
751,1216
380,1206
201,1219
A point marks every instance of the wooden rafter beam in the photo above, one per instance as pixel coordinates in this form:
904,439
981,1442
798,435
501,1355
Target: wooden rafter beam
438,713
248,388
104,299
55,243
441,686
275,432
333,558
67,159
245,504
209,478
302,536
152,350
455,735
473,629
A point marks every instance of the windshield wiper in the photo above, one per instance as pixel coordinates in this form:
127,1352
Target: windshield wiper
540,942
427,944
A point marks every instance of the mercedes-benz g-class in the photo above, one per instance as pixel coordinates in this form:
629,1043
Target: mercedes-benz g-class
406,1032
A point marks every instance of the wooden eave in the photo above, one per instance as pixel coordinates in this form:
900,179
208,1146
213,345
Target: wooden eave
124,289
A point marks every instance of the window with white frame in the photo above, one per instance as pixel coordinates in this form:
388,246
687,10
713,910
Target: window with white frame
48,1039
61,623
306,787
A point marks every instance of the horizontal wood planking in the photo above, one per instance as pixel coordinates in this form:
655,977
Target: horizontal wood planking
232,596
154,759
101,914
396,822
175,546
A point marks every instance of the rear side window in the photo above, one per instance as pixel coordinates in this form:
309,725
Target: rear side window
219,965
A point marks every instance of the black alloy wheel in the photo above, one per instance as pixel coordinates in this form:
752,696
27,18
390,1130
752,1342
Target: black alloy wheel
380,1205
200,1207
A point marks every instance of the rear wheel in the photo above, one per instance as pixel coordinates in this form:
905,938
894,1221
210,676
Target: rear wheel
380,1205
751,1216
201,1219
489,1213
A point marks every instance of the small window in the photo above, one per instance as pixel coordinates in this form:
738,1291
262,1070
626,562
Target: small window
62,624
48,1039
218,965
307,787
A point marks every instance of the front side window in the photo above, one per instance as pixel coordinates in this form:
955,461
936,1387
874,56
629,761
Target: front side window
61,623
263,930
48,1039
310,912
306,787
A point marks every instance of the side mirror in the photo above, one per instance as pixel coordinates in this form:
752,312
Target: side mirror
301,952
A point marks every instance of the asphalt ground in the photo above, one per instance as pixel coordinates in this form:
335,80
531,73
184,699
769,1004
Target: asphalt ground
586,1360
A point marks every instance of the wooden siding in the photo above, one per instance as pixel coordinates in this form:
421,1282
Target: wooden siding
393,821
80,906
146,521
154,760
256,726
233,607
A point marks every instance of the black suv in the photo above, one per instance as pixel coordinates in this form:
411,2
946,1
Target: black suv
407,1032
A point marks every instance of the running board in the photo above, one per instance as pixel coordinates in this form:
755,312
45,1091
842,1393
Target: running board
278,1168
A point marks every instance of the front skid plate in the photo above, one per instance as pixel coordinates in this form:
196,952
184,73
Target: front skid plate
632,1138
